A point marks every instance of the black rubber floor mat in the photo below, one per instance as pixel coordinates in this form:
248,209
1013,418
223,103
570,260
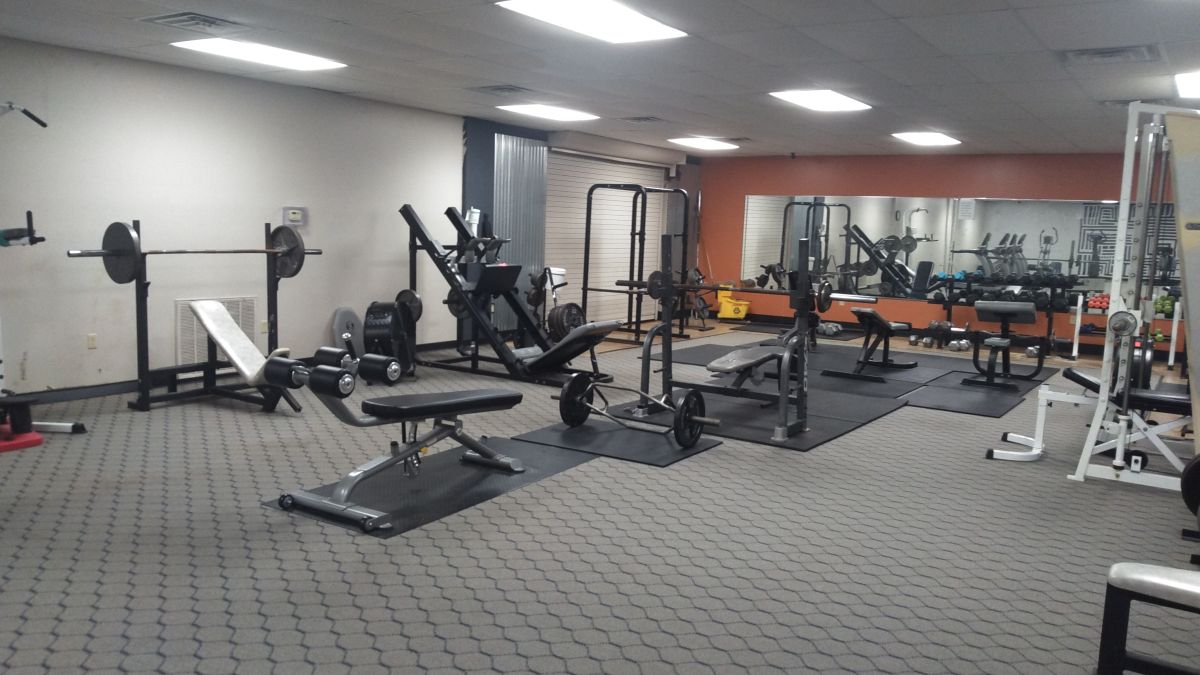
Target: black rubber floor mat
776,329
954,380
609,439
822,385
968,400
700,355
754,420
446,486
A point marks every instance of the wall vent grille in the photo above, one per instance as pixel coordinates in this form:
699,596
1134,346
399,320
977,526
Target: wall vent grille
191,340
502,90
1112,55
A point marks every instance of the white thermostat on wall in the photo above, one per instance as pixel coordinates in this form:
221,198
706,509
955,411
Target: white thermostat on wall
295,216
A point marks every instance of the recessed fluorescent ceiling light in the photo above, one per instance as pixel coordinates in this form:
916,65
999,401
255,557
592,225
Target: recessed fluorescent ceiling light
602,19
700,143
1188,84
926,138
266,55
550,112
821,100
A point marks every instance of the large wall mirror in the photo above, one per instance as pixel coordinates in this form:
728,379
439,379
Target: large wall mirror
852,237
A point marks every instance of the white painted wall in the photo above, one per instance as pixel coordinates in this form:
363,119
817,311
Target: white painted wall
203,160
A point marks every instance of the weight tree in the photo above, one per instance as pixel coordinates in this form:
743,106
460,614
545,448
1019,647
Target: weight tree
125,262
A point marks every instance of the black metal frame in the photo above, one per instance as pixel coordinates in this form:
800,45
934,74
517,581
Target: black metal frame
149,378
1114,657
795,357
637,254
811,224
897,276
445,259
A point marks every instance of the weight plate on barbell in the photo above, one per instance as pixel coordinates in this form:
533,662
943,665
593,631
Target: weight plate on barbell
824,296
125,252
291,258
689,404
868,268
908,244
412,301
656,285
574,400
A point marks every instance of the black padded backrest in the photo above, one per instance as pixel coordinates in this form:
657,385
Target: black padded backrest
1000,310
1140,399
867,316
578,341
921,281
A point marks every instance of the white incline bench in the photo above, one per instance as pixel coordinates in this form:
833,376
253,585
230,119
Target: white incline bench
1163,586
243,355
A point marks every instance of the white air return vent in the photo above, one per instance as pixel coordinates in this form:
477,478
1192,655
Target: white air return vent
197,23
191,340
1111,56
645,119
738,139
502,90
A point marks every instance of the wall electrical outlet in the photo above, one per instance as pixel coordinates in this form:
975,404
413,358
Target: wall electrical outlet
91,340
295,216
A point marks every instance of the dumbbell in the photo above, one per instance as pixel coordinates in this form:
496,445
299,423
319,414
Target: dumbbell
323,380
939,296
1059,303
927,341
1008,296
1032,351
1041,300
1025,295
370,367
913,339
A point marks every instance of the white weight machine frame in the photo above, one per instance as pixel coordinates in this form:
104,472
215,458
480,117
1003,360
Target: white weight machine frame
1114,427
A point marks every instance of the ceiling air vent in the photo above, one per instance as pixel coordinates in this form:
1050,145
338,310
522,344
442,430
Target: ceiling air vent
502,90
197,23
738,139
1111,55
647,119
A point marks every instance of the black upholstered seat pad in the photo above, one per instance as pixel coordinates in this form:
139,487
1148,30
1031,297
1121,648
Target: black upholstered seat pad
1139,399
424,406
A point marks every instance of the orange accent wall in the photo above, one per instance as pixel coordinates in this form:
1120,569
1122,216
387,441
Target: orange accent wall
725,182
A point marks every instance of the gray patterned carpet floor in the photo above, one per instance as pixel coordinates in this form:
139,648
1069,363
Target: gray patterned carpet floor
143,546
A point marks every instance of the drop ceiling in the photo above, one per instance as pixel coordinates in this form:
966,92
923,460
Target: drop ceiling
989,72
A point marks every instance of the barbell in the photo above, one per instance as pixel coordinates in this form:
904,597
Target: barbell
655,287
121,248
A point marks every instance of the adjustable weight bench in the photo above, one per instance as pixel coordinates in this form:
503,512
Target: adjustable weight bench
878,331
243,355
332,384
746,364
1162,586
1139,400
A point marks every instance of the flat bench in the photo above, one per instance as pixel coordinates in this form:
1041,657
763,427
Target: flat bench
1162,586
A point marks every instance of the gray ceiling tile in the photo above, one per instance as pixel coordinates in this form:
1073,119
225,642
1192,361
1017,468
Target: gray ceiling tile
937,70
872,40
816,12
983,33
902,8
1031,66
1096,25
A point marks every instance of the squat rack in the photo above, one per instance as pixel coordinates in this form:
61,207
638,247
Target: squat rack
125,262
637,253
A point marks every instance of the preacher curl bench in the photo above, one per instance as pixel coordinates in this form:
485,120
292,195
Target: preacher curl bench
333,379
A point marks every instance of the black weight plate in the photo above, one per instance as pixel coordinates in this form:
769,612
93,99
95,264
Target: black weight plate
688,405
456,305
291,258
410,299
908,244
573,316
1189,485
556,324
824,296
656,285
124,248
869,268
571,402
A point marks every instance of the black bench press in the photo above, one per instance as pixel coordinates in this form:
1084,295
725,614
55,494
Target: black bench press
331,384
1005,313
878,331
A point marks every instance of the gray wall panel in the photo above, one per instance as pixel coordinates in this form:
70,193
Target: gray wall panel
519,211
